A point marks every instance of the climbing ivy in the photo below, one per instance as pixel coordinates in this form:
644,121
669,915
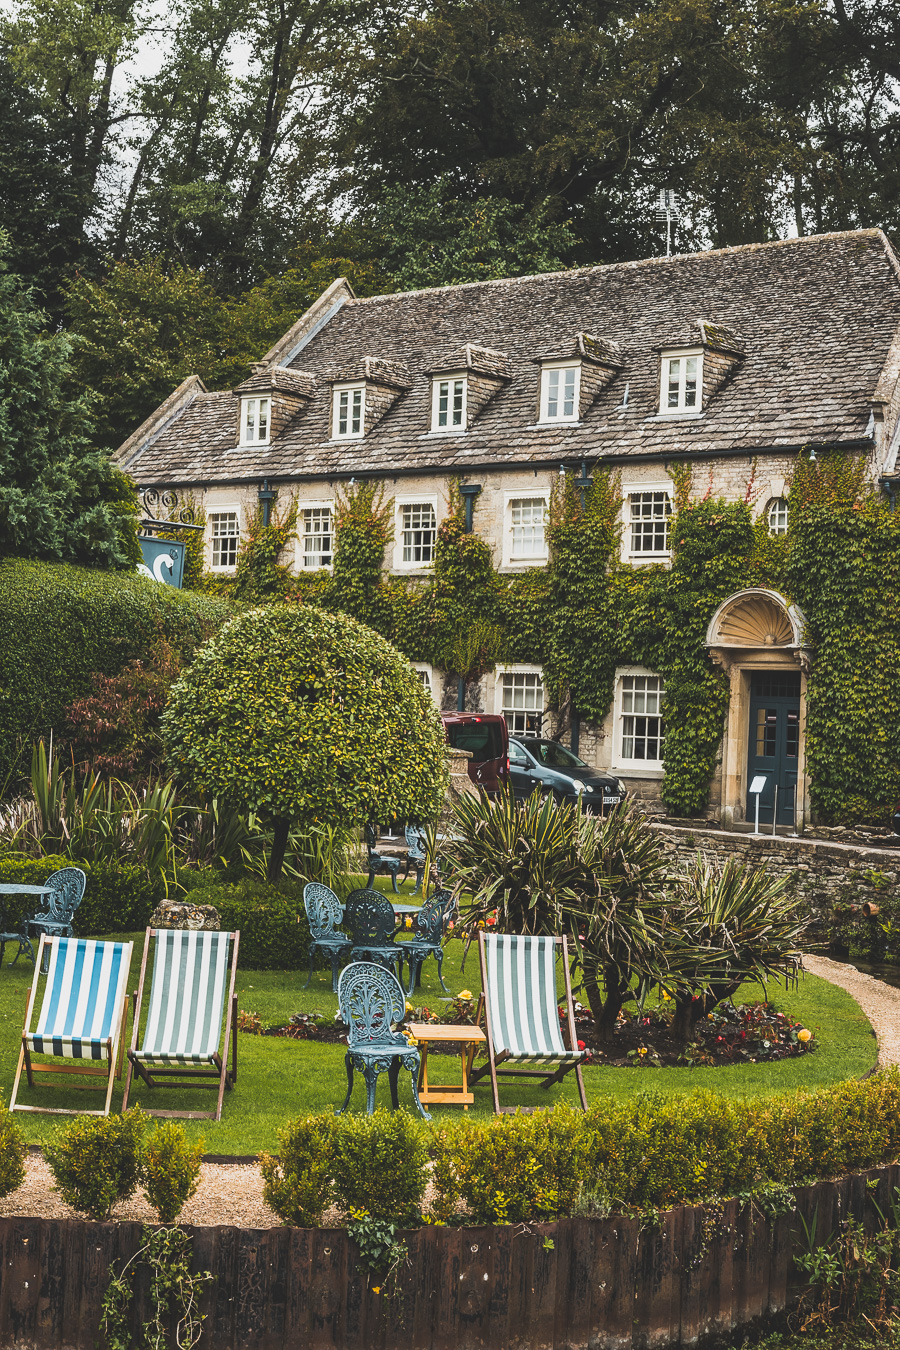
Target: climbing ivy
364,529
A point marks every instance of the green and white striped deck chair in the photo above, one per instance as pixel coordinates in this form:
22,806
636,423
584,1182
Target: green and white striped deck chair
518,980
183,1040
82,1015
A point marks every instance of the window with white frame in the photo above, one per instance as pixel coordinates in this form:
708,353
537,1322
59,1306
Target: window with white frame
648,518
522,701
224,537
527,526
426,675
560,393
682,383
349,413
448,404
317,541
418,532
255,417
641,731
777,515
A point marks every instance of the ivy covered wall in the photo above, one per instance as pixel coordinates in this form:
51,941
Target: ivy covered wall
587,613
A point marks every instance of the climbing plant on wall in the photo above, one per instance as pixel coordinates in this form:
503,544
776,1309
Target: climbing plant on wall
844,572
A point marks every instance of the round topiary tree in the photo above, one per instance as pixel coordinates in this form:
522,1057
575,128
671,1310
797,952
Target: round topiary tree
306,717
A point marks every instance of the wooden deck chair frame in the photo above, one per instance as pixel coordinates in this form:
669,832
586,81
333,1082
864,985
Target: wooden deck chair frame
496,1059
114,1045
177,1076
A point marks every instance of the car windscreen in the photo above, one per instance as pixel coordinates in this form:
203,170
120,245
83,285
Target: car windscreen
555,756
484,740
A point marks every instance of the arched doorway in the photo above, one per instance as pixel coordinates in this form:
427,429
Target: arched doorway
759,639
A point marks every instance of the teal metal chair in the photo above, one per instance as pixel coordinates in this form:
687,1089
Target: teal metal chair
68,892
325,912
381,864
370,922
372,1004
427,940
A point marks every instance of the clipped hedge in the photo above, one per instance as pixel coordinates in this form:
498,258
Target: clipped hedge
59,624
118,897
646,1154
271,919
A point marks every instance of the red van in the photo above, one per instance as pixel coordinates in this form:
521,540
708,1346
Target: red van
486,738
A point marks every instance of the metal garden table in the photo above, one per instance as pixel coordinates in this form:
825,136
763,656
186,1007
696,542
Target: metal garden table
21,935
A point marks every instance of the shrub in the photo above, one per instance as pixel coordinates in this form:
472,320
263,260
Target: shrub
118,897
171,1169
60,625
96,1161
12,1153
380,1164
298,1182
512,1168
271,919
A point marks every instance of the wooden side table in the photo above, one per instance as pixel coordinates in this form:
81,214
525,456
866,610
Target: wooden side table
452,1094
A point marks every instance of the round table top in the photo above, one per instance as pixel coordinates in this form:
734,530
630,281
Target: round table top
18,888
406,909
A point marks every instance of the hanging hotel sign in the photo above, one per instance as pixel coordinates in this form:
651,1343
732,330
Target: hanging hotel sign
163,561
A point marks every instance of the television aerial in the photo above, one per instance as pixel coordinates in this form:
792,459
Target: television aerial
666,210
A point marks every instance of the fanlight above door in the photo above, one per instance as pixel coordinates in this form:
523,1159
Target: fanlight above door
756,618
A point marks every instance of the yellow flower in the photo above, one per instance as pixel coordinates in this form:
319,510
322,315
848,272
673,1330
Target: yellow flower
465,993
408,921
376,1288
409,1006
642,1050
804,1035
666,997
410,1038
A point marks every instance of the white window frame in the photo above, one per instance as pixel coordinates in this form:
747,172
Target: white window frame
256,403
636,767
450,379
422,668
544,413
682,409
499,700
644,556
419,499
779,505
349,388
323,505
509,557
222,509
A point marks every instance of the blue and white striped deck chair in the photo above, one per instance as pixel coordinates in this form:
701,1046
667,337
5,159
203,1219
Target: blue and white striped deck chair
183,1036
518,980
82,1016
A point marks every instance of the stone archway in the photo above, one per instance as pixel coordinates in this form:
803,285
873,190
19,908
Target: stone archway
759,638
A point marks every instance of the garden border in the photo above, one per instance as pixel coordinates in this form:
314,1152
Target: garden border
578,1284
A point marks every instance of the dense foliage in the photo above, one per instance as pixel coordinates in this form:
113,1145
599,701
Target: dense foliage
304,716
61,627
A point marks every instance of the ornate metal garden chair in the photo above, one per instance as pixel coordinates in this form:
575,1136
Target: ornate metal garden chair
381,864
372,1003
324,912
369,917
416,854
68,891
428,935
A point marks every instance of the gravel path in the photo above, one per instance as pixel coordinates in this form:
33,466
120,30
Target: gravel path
879,1001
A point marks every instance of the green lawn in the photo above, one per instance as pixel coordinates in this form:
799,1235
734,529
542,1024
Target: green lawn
280,1078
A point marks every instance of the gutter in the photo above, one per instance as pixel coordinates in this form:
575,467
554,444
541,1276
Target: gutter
565,461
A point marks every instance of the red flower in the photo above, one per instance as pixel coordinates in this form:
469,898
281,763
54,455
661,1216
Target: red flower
580,1044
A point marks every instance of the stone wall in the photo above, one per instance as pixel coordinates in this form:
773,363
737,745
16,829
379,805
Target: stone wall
824,872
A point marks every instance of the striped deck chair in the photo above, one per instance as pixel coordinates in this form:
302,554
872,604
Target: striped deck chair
82,1016
518,979
183,1035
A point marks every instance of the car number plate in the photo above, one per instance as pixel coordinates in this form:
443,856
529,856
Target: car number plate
613,801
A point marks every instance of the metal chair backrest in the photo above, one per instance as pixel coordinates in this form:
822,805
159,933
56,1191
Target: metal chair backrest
520,975
432,917
415,843
83,995
323,909
369,916
187,996
371,1002
68,891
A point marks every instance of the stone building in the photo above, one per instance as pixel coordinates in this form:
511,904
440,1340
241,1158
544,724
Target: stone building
731,361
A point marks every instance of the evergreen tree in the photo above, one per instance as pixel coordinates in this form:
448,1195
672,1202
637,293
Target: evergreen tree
60,498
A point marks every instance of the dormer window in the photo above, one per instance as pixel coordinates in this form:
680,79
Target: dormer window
448,403
560,390
682,383
349,412
255,417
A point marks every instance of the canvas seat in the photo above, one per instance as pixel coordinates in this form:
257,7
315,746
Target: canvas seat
518,979
183,1038
82,1013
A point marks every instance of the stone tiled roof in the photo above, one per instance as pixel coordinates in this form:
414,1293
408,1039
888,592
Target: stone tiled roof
816,321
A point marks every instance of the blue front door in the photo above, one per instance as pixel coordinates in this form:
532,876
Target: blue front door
774,748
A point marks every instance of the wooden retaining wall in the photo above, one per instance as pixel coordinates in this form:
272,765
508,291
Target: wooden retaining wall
596,1284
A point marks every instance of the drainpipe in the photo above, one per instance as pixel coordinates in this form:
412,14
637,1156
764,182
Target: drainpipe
469,492
890,482
583,484
266,496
